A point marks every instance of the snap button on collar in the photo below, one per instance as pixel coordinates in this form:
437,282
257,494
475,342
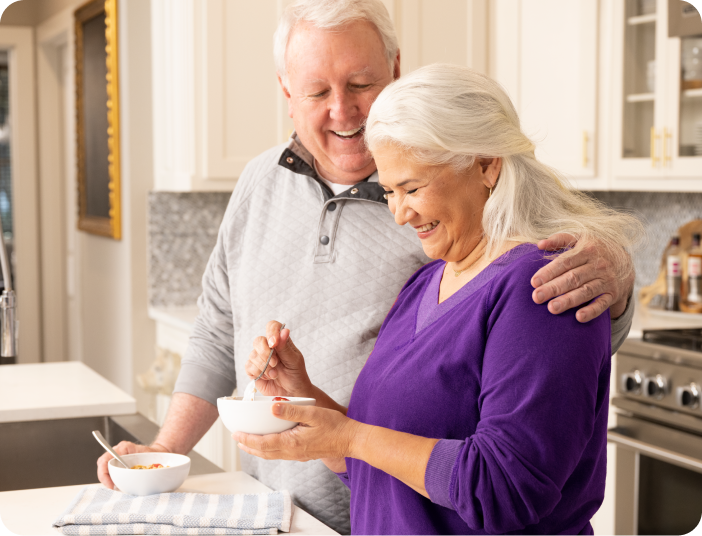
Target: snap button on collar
289,159
385,196
354,190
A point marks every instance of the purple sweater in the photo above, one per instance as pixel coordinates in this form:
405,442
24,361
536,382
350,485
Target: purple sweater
518,397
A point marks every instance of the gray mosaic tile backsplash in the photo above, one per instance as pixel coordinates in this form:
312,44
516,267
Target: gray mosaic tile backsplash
182,233
662,213
183,230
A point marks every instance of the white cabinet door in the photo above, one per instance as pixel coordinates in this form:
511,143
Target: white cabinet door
217,103
448,31
544,53
558,83
654,118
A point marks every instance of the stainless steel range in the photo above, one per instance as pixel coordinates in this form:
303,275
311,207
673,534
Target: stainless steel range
658,401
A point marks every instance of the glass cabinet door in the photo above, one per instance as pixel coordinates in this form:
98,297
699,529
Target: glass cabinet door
690,134
639,79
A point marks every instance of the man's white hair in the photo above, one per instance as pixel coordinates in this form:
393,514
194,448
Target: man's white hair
450,115
333,15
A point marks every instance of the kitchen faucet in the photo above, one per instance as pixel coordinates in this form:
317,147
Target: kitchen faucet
8,327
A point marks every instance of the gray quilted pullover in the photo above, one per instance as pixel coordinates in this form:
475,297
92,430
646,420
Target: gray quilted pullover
328,266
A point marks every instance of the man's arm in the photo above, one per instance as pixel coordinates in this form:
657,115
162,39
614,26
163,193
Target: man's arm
586,272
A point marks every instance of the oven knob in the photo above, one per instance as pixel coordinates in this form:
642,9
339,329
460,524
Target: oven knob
632,382
655,386
689,396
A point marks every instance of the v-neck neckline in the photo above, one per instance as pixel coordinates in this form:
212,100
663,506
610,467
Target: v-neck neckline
430,310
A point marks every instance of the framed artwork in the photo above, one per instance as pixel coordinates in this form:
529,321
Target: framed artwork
97,118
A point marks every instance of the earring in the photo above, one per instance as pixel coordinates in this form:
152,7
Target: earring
490,193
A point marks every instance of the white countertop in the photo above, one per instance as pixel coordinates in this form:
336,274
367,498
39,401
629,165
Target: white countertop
32,511
645,318
63,390
177,317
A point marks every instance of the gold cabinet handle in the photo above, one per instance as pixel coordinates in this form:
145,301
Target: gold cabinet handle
585,140
654,158
666,136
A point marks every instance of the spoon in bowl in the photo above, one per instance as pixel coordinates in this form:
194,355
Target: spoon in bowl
250,390
107,447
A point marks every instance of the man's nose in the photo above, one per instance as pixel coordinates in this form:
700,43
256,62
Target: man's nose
343,106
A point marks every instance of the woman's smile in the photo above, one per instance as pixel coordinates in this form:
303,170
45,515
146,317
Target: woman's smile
426,230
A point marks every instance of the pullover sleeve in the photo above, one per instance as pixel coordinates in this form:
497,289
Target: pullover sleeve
544,382
207,370
622,325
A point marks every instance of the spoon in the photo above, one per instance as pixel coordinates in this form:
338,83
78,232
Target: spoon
270,354
107,447
249,392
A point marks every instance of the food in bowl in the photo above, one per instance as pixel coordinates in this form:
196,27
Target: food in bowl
169,477
254,416
152,466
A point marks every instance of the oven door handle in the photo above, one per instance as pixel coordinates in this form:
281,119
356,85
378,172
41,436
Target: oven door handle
654,452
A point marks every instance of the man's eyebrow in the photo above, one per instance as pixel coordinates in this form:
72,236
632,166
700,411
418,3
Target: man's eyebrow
362,72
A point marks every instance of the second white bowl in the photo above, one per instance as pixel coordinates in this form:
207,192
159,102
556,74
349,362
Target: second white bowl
255,417
149,481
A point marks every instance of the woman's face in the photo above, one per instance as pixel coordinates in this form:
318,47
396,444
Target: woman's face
444,206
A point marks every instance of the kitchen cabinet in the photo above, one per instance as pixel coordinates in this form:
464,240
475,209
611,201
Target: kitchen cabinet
657,113
173,328
216,100
545,55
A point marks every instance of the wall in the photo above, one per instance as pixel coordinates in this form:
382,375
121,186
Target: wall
95,289
118,337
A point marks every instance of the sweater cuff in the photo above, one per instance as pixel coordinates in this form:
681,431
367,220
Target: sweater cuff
344,477
437,477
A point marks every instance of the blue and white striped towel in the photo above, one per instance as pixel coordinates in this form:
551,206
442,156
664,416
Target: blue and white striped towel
98,510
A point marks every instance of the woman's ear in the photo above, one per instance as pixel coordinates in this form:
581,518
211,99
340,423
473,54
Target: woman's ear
490,169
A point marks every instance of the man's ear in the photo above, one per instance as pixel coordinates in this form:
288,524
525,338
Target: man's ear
286,93
396,66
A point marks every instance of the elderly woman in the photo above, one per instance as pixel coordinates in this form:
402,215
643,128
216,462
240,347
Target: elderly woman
478,411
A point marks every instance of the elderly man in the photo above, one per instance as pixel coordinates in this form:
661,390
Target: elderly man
307,238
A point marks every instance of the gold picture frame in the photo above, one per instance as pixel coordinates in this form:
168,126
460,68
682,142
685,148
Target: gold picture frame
97,119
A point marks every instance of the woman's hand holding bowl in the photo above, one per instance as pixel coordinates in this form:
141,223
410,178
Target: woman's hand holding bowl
286,374
322,434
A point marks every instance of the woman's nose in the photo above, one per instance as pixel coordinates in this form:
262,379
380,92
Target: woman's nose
402,212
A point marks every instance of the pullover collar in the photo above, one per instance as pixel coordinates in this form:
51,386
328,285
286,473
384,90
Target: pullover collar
299,160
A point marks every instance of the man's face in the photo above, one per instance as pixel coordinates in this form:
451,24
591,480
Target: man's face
333,78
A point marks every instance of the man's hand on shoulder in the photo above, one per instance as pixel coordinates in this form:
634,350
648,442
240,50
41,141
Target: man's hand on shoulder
589,270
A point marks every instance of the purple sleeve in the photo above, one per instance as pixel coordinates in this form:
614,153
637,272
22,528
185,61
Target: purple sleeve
344,477
544,383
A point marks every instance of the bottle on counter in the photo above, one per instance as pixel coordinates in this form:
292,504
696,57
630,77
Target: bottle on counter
673,275
694,272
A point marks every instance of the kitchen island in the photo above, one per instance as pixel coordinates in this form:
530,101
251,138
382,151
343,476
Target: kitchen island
32,511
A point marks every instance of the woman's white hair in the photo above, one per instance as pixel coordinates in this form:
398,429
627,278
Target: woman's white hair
450,115
333,15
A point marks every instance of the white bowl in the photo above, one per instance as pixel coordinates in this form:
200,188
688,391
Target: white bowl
149,481
255,417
